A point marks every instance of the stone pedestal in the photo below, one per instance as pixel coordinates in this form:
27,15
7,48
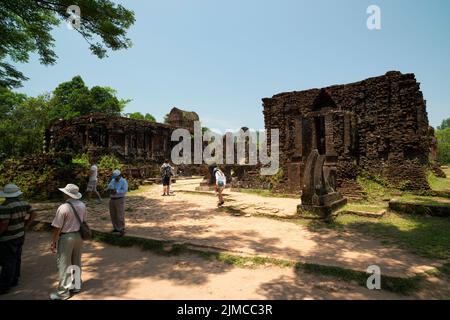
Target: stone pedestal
319,198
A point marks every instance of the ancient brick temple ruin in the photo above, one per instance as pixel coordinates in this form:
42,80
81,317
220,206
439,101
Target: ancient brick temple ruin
378,126
131,140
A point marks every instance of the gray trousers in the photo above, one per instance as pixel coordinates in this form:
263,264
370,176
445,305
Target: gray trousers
68,254
117,213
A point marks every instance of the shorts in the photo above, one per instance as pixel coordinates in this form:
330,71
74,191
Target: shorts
166,181
220,184
92,186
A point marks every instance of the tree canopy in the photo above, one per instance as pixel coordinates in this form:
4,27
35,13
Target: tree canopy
26,25
443,138
73,98
445,124
140,116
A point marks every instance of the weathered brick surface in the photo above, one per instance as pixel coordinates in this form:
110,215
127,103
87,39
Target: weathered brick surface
378,125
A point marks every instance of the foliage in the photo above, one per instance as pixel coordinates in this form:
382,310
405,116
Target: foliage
22,123
25,28
445,124
73,98
109,162
443,139
140,116
82,160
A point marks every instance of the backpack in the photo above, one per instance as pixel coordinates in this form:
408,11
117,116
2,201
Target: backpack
166,172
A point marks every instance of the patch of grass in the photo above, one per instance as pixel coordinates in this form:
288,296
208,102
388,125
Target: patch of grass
398,285
244,262
426,236
372,208
439,184
434,201
376,191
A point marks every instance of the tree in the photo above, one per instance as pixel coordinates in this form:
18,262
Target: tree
443,138
26,25
73,98
22,127
445,124
140,116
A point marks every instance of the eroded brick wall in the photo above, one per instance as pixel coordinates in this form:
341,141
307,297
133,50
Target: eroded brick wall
378,125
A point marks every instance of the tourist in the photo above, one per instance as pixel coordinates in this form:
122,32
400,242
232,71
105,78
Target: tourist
92,183
221,181
66,240
118,187
13,222
166,174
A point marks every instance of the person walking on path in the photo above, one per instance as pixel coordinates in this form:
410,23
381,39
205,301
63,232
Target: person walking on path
67,242
13,222
118,187
166,174
92,183
221,181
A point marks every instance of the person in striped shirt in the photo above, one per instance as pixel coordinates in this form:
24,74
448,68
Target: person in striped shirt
13,222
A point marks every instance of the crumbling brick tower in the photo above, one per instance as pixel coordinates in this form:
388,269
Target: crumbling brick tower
378,126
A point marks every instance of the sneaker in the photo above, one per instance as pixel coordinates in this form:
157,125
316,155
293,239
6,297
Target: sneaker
57,296
114,231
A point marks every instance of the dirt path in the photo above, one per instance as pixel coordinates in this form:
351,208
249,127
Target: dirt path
193,218
143,275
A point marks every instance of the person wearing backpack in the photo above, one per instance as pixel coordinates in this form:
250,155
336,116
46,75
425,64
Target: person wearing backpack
67,241
166,175
221,182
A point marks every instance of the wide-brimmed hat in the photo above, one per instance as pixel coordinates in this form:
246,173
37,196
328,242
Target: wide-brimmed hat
72,191
10,191
116,173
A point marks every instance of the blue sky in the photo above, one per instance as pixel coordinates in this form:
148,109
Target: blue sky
219,58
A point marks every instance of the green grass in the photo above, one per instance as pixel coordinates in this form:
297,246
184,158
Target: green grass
434,201
425,236
372,208
439,184
376,191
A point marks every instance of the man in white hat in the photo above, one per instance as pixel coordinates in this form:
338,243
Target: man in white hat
66,239
13,222
118,187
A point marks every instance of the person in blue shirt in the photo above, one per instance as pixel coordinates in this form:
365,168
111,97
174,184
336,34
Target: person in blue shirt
118,187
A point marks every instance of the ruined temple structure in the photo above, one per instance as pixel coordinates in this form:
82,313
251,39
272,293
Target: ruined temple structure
182,119
378,126
131,140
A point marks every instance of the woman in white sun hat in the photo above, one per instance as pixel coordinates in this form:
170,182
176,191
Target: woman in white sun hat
66,239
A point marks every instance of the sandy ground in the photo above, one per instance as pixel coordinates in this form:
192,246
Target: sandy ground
194,218
129,273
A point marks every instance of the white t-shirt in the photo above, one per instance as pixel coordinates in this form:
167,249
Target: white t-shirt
65,217
93,174
220,177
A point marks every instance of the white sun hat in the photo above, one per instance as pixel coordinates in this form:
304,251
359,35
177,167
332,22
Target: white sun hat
10,191
72,191
116,173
